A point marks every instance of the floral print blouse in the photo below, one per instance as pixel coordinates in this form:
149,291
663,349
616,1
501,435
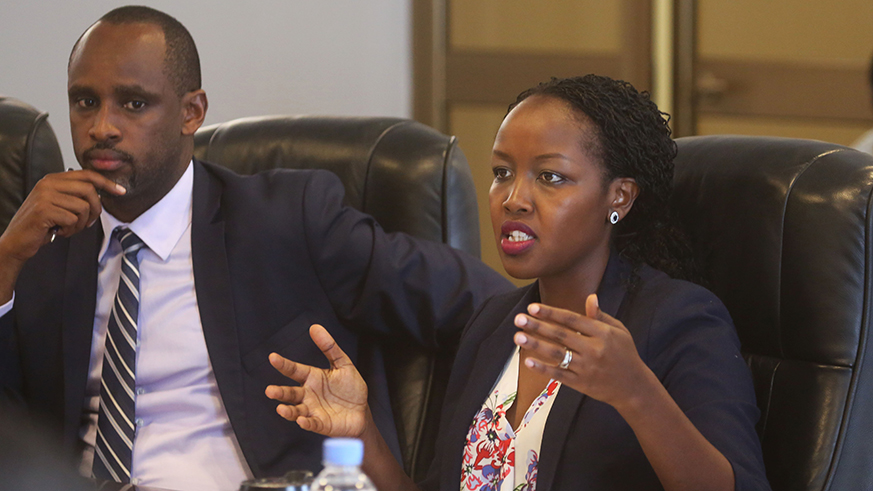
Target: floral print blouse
493,448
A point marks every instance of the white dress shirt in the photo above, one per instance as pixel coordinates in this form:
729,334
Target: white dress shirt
183,437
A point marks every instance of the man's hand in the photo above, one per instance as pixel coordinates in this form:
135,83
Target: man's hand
331,402
69,201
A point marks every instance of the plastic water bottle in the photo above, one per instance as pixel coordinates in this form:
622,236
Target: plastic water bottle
342,467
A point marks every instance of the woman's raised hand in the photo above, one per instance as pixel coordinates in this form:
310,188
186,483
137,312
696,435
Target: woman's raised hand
604,363
331,402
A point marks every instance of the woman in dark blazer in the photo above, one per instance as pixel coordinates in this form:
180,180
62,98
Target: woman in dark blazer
606,373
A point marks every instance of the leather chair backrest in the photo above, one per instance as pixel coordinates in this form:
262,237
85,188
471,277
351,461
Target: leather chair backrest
28,151
408,176
782,231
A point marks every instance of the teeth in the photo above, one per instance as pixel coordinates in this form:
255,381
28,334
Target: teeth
518,236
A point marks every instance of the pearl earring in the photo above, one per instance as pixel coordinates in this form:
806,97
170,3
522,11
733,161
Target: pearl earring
613,217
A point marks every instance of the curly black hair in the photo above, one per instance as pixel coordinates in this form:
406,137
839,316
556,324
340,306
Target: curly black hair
631,139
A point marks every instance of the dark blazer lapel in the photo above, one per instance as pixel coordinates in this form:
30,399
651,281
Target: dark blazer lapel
80,302
212,284
491,357
610,295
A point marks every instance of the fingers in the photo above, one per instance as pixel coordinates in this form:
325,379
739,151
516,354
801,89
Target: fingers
79,192
73,213
97,181
547,340
540,348
64,202
325,342
592,306
295,371
548,331
553,372
292,412
299,415
544,315
311,424
285,394
563,332
592,310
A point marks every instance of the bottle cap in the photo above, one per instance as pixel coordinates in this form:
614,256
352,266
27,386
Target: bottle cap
343,451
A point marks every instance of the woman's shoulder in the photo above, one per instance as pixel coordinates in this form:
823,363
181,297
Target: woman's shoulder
672,318
663,293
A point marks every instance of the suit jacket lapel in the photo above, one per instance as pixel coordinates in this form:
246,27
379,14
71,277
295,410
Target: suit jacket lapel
610,295
491,357
80,302
212,283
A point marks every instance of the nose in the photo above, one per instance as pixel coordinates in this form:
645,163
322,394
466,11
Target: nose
518,200
103,127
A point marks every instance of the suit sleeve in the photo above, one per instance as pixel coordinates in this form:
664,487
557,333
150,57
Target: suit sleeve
390,283
695,352
10,373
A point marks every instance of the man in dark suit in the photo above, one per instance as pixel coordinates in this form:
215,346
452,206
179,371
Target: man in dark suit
149,288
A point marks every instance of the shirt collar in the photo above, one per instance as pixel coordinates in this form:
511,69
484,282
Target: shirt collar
161,226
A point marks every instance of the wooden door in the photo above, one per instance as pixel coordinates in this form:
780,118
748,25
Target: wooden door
793,68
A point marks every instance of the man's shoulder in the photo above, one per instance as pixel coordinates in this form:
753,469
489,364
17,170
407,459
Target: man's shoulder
272,177
273,189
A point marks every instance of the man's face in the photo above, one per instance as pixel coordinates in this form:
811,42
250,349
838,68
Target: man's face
125,115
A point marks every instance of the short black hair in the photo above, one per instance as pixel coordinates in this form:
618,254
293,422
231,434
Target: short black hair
181,61
631,138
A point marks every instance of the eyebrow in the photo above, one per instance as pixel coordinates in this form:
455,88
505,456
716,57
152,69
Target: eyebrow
545,156
79,90
120,90
134,90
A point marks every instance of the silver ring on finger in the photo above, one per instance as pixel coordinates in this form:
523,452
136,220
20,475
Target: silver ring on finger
568,357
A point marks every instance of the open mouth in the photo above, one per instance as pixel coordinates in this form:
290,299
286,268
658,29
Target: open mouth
516,238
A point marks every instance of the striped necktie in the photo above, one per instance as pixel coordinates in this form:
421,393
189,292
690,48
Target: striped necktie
113,451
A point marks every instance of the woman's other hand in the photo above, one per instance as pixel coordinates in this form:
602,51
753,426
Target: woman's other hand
605,364
331,402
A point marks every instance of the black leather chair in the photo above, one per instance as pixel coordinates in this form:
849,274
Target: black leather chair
411,178
782,229
28,151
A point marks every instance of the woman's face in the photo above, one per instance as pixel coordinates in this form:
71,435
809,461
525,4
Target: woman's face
549,202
